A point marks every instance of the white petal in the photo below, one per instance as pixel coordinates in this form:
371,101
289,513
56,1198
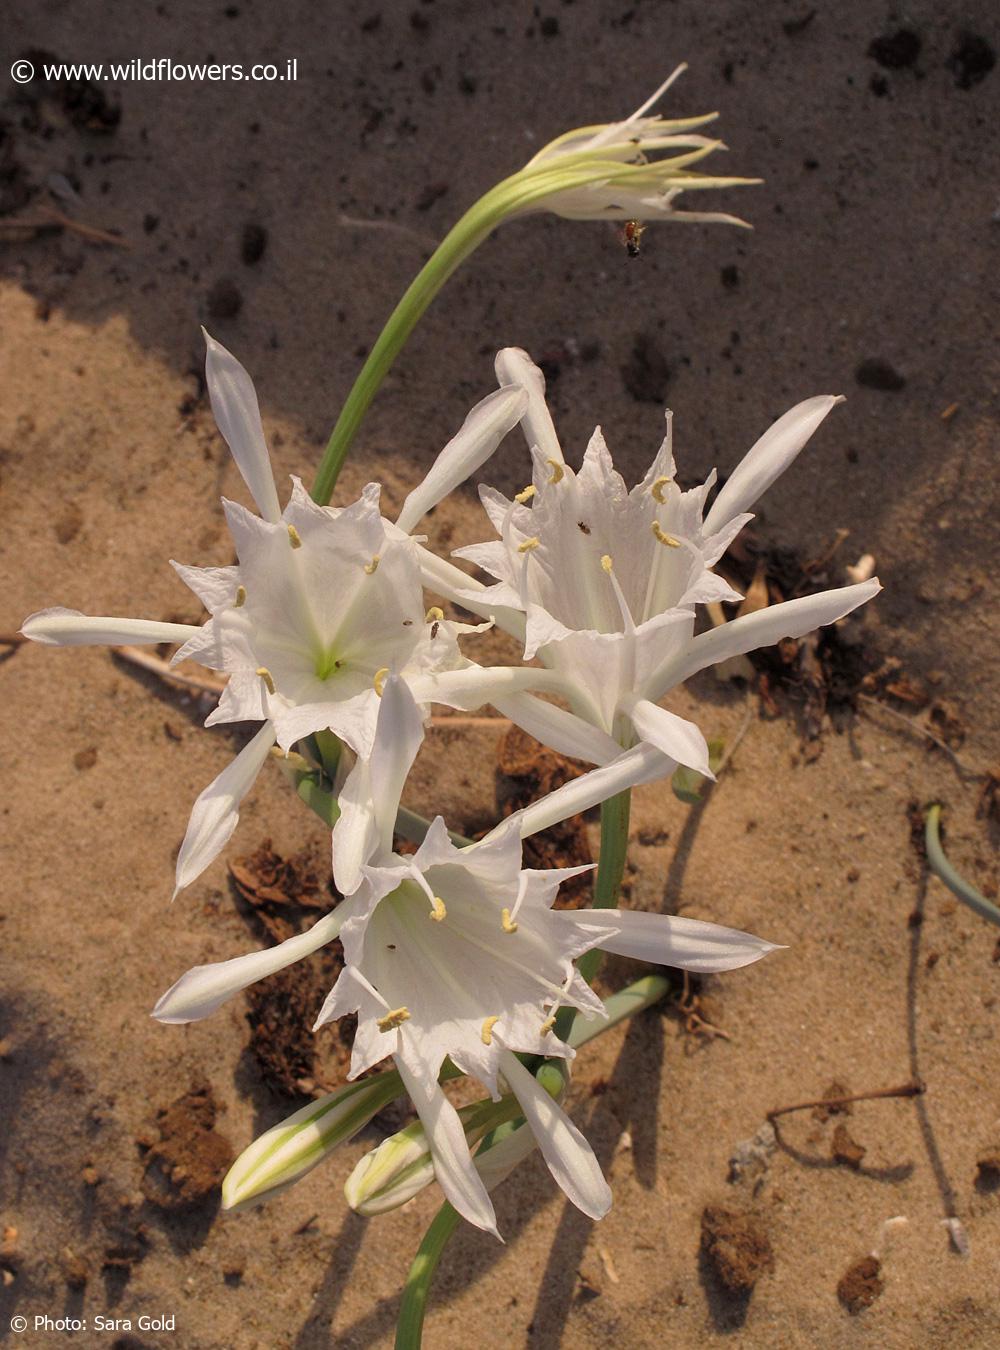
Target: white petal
355,835
792,618
473,686
674,736
641,764
668,940
215,813
60,627
767,459
514,366
234,405
481,433
453,1164
444,578
398,736
202,989
569,1157
563,731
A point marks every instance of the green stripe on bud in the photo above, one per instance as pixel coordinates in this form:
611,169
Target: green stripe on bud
286,1152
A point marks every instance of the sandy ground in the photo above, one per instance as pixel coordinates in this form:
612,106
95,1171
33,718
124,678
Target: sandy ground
876,240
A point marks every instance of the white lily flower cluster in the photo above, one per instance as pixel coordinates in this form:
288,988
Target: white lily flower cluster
456,954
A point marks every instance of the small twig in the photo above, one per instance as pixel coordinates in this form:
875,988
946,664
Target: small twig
445,720
90,232
914,1088
730,749
921,730
157,666
305,1225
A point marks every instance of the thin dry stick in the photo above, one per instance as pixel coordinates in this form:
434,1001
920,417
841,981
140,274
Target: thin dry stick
12,639
915,1088
157,666
52,215
730,749
921,731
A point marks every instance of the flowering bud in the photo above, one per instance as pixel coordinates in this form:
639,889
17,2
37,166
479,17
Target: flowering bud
287,1151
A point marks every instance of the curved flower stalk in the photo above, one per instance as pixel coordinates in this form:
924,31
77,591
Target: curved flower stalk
321,605
629,170
607,581
457,953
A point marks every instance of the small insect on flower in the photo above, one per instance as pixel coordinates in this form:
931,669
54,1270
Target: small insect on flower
631,236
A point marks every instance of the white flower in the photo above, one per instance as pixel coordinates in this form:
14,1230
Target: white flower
606,582
321,605
457,953
630,170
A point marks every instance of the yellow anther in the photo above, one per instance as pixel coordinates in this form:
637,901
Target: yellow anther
663,537
393,1019
370,568
526,494
547,1026
294,537
506,922
657,488
241,597
558,471
528,545
486,1035
606,562
379,680
434,615
267,677
439,911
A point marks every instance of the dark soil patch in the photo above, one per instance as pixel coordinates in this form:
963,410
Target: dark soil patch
527,771
191,1158
860,1285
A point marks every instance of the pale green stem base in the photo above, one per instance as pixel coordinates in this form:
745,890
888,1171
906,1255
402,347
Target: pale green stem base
943,869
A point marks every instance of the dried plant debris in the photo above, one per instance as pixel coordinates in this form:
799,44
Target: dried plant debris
190,1159
816,675
283,896
844,1149
861,1284
832,1103
525,772
736,1247
751,1158
278,890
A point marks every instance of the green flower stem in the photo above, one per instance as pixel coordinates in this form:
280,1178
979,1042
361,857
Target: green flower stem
943,869
516,194
410,825
634,998
410,1326
610,870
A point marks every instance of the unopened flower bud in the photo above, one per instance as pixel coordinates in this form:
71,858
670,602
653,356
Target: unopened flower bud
287,1151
